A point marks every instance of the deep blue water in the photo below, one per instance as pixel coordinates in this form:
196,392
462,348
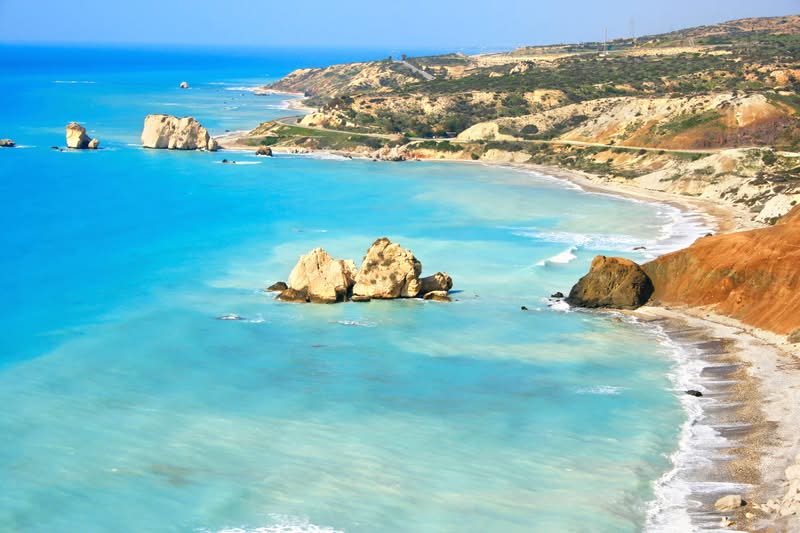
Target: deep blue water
130,408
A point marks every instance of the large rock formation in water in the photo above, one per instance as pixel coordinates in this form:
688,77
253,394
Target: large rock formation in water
6,143
77,138
388,271
322,278
753,276
173,133
612,282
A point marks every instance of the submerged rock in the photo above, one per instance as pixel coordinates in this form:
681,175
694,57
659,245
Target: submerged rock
438,296
230,317
6,143
388,271
173,133
612,282
323,278
76,136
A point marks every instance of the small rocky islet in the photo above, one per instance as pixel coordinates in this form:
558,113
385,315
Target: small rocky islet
387,272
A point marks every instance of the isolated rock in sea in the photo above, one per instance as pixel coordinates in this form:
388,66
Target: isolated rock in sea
278,286
441,281
76,136
264,150
184,85
388,271
173,133
94,144
728,503
612,282
558,294
323,278
6,143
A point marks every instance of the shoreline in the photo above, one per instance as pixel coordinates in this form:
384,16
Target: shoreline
751,377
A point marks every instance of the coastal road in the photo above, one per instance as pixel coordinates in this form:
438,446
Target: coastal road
293,120
428,76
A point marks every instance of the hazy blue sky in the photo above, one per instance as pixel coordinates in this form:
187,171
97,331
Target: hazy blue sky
410,24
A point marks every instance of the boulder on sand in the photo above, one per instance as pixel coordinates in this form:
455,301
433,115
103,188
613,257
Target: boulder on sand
728,503
173,133
612,282
388,271
76,136
323,278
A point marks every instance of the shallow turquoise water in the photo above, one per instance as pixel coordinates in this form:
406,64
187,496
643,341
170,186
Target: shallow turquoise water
129,408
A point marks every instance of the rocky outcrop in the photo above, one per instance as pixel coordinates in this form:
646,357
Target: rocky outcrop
94,144
264,150
730,502
6,143
612,282
441,281
323,278
752,276
76,136
388,271
184,85
278,286
173,133
396,153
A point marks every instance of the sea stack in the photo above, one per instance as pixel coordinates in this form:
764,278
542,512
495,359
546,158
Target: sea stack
173,133
76,136
184,85
6,143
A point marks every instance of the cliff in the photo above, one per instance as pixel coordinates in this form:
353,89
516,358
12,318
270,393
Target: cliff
752,276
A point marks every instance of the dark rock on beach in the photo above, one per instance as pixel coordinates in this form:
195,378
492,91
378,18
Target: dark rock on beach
695,393
612,282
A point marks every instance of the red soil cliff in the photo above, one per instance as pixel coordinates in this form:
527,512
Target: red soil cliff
753,276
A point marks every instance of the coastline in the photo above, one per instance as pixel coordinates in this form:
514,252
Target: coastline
743,431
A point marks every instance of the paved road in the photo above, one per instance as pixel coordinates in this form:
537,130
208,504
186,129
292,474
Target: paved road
426,75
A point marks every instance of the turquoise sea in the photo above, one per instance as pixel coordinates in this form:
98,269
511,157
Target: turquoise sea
128,407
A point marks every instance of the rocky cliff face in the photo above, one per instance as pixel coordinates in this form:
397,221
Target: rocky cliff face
753,276
173,133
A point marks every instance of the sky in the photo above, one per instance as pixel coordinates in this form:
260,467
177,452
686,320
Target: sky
410,24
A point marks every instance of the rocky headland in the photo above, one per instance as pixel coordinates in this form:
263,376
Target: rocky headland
387,272
173,133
